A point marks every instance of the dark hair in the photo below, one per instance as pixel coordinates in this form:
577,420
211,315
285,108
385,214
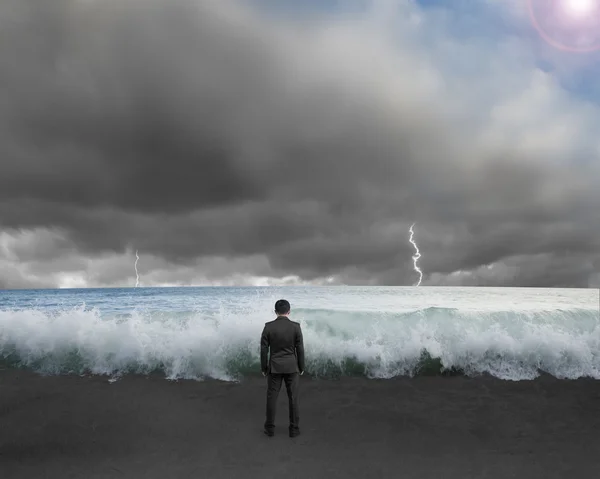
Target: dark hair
282,307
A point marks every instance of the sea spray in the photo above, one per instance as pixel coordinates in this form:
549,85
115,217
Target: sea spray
196,344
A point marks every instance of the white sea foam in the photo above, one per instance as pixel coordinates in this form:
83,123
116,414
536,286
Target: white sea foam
224,344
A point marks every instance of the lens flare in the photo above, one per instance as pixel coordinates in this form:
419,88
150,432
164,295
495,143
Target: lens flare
568,25
579,8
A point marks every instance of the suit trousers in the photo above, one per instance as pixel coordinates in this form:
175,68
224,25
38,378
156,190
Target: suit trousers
292,381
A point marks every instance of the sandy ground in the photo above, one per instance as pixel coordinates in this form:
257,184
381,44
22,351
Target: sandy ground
425,427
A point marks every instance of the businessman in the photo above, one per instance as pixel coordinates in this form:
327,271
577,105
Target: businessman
285,362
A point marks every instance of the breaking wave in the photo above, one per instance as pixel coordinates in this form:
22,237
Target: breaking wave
511,345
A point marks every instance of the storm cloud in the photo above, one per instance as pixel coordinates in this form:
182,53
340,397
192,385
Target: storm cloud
230,145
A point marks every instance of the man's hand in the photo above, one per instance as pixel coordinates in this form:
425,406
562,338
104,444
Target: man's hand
264,373
301,373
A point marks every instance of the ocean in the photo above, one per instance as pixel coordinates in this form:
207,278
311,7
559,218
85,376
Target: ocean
375,332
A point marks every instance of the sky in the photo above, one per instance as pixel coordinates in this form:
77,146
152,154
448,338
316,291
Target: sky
265,142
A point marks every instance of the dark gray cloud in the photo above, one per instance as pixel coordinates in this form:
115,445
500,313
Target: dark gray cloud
225,144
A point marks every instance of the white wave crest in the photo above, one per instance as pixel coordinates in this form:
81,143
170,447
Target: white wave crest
193,345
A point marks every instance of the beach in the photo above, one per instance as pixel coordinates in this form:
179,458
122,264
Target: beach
422,427
400,383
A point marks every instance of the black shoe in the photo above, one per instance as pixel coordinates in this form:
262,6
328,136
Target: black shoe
268,433
294,433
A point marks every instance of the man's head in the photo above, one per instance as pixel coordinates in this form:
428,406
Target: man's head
282,307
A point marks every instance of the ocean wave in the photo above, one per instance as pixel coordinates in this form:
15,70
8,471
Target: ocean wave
508,344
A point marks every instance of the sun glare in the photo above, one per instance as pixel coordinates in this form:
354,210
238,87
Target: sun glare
579,8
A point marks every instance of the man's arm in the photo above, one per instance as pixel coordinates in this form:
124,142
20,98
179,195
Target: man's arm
264,350
300,348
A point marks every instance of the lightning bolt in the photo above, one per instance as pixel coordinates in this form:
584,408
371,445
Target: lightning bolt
416,257
137,276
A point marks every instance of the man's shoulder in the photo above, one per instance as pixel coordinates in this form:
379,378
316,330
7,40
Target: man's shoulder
289,321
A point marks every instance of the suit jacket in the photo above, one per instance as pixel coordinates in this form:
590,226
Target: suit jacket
284,338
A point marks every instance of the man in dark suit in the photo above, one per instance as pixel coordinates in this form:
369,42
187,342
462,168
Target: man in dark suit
286,363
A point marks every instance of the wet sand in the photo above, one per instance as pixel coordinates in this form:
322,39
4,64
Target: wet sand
424,427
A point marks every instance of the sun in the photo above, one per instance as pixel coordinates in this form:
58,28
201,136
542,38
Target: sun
569,25
579,8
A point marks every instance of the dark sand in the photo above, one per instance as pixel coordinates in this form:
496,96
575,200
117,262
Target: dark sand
426,427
